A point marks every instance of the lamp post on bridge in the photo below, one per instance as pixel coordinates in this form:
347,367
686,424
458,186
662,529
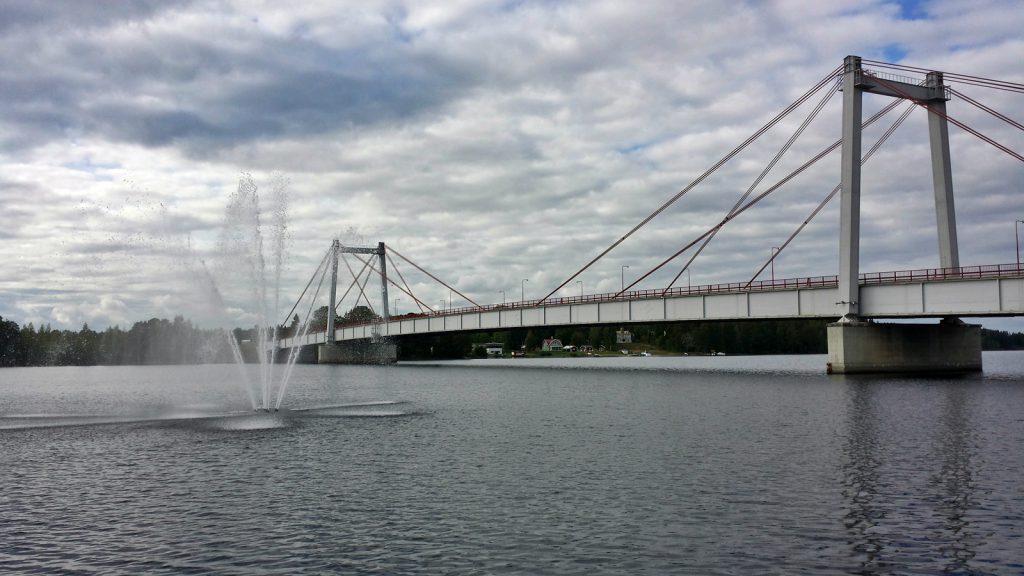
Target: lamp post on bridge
775,250
580,282
622,278
522,288
395,307
1016,240
442,304
502,297
687,279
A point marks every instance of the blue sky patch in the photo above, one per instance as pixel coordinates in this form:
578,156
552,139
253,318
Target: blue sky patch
893,53
913,9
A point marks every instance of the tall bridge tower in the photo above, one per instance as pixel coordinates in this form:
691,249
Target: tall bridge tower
934,95
855,346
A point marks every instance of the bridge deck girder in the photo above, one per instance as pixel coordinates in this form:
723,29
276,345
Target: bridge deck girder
999,293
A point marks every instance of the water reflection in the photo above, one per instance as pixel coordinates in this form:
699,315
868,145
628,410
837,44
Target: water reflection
909,482
861,475
953,486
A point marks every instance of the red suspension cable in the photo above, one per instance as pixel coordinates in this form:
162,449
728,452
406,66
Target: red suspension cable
947,117
762,196
778,156
981,106
435,278
881,139
823,82
394,267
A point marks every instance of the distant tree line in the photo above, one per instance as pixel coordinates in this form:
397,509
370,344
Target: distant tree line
155,341
151,342
1001,340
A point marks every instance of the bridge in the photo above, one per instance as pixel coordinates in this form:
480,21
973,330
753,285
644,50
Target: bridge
855,300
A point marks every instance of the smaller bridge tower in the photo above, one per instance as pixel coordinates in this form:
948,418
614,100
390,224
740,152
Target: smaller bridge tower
336,249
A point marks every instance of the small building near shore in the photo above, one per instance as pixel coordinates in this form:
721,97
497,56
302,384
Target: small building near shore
491,348
551,345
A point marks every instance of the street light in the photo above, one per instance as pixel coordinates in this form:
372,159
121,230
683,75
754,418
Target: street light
622,278
687,278
580,282
394,307
502,297
442,304
522,286
1016,238
775,250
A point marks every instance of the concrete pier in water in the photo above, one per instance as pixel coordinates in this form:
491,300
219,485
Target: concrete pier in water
357,352
868,347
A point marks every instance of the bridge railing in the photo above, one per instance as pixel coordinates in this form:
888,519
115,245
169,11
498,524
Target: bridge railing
866,279
925,274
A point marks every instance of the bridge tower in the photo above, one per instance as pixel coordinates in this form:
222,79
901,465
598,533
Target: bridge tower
934,95
859,346
333,352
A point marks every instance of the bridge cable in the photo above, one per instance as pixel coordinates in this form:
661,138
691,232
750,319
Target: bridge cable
312,301
436,279
981,106
881,140
825,152
322,262
397,285
947,117
757,134
361,286
362,289
355,282
302,332
764,173
400,277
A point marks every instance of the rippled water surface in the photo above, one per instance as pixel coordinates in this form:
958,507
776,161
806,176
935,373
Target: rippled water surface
579,466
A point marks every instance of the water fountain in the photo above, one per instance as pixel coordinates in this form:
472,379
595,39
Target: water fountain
244,280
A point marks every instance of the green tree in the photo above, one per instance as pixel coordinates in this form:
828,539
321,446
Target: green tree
532,342
11,353
358,315
318,323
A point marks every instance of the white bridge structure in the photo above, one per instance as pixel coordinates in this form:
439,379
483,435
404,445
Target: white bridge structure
975,291
855,300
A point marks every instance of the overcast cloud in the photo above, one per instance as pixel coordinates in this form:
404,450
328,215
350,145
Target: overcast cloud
489,141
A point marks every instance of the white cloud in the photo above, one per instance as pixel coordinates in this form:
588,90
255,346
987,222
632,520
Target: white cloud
488,141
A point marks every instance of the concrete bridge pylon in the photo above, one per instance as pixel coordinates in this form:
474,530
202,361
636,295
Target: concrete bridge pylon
858,346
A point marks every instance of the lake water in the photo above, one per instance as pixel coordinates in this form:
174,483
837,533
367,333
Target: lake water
722,465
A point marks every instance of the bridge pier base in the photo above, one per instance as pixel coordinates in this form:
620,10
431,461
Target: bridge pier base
866,347
357,352
306,355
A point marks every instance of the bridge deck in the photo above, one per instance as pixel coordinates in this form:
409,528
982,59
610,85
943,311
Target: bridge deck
993,290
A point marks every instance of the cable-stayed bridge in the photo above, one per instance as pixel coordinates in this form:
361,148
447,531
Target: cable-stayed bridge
853,298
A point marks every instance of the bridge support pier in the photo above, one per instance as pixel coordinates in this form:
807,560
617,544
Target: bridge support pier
867,347
357,352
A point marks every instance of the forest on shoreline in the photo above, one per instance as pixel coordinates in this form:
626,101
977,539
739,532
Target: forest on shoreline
160,341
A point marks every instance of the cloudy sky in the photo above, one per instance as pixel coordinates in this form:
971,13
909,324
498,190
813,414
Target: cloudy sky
489,141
